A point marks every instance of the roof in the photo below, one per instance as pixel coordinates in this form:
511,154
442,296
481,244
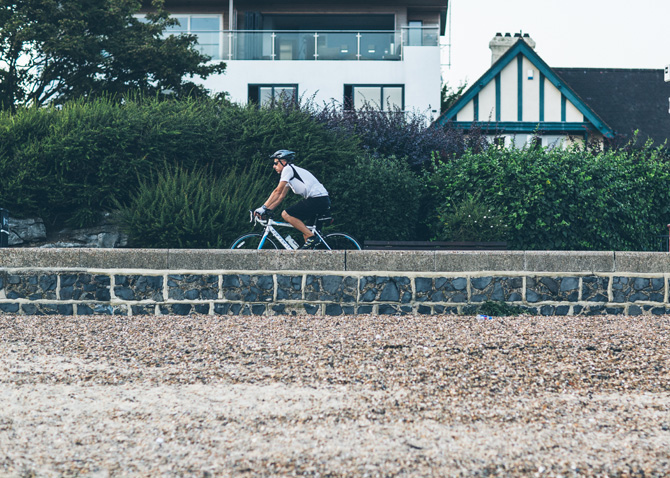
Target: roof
309,4
522,48
626,99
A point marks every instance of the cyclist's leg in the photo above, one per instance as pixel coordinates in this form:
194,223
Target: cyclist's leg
304,210
297,223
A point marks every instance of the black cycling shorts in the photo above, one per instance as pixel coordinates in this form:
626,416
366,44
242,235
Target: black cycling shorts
310,207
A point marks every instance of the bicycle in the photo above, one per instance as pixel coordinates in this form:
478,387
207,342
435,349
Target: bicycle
333,241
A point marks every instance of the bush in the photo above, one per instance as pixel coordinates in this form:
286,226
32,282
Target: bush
184,209
69,164
470,220
565,199
401,134
376,198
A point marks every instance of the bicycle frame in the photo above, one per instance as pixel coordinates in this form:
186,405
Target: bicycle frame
269,224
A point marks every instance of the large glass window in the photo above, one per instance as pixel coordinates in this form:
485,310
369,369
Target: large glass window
384,97
206,27
265,95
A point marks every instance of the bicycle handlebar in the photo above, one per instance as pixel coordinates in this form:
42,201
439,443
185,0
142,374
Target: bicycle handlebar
259,220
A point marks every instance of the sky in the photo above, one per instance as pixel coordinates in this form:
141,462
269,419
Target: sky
568,33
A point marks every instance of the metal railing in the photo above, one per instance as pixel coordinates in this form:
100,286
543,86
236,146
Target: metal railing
313,45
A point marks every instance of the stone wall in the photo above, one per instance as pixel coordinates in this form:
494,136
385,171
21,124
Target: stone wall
223,282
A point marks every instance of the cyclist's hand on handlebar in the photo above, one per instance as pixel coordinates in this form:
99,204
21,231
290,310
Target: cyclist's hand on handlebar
263,212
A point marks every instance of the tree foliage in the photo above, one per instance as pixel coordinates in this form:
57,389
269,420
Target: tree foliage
449,96
55,50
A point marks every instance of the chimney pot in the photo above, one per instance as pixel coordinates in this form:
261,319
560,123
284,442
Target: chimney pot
500,44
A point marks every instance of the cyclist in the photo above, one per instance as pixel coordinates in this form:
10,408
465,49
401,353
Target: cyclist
315,197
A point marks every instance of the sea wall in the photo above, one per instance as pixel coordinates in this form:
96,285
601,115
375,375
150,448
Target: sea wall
224,282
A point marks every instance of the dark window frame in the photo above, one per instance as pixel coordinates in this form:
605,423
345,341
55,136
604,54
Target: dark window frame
349,93
253,91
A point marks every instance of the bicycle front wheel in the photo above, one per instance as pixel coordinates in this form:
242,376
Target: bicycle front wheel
339,241
252,241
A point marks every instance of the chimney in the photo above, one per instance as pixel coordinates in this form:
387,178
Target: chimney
500,44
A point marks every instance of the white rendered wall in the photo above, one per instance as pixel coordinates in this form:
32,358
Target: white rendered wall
487,102
419,72
552,102
531,92
509,92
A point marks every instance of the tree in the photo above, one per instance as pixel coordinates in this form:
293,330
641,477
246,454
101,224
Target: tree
449,96
55,50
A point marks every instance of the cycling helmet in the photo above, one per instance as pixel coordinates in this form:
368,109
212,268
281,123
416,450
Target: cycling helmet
284,155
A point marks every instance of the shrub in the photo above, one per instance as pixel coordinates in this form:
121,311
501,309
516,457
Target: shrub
402,134
470,220
376,198
565,199
192,209
69,164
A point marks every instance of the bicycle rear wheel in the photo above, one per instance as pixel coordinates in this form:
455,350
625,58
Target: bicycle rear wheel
339,241
251,241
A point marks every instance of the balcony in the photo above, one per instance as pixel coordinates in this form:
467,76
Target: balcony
314,45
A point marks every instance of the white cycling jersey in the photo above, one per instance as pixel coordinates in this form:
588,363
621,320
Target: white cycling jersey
302,182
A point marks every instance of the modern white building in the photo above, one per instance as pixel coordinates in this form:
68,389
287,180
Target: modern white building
348,52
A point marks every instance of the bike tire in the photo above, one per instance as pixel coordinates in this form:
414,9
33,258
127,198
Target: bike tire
251,241
339,241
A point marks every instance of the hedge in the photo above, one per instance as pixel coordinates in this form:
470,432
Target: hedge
555,199
69,164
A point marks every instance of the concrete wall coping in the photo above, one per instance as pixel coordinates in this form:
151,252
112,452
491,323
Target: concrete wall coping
345,261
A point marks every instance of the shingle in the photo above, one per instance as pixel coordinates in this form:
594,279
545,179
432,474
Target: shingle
626,99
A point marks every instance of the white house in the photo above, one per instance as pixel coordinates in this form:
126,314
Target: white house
351,52
520,99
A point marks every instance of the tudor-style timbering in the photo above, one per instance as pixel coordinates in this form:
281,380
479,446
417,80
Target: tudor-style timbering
521,98
539,100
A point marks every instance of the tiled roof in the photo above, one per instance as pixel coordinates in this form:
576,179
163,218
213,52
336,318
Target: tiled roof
626,99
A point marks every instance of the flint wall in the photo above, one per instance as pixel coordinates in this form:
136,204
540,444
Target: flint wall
224,282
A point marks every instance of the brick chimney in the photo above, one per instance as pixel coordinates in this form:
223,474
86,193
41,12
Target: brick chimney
500,44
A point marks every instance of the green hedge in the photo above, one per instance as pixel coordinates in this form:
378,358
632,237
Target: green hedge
148,157
193,209
562,199
376,198
68,164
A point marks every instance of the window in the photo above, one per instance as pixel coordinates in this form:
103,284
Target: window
264,95
384,97
206,27
499,141
534,142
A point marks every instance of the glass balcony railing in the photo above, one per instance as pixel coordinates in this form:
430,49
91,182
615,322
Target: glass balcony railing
313,45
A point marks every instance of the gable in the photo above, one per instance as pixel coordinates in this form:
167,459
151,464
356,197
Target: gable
521,93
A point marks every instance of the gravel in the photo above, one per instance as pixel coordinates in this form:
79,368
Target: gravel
370,396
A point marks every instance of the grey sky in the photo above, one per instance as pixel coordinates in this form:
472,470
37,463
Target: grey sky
568,33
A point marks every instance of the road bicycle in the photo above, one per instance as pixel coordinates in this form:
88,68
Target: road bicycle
270,238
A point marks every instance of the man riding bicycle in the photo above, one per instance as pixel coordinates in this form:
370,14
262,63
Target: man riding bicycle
315,197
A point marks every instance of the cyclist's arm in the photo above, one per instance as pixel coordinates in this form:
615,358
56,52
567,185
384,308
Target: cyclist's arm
277,195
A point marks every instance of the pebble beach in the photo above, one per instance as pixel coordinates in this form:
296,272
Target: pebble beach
348,396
